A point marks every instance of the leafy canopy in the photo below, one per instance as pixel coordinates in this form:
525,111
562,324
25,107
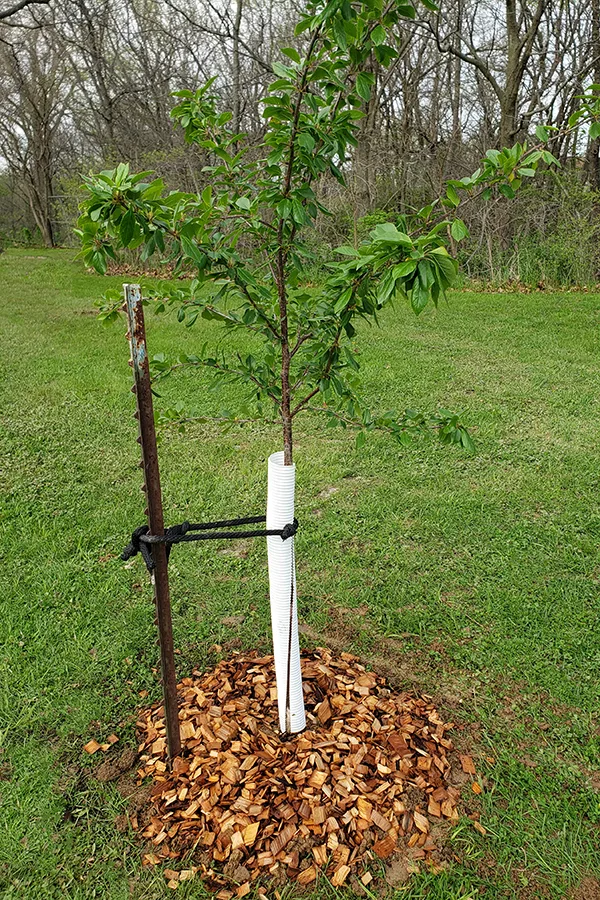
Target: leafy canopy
244,235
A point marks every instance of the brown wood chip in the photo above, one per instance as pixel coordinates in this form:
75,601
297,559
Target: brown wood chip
249,833
385,847
324,711
283,838
307,875
380,821
340,875
326,800
468,765
421,821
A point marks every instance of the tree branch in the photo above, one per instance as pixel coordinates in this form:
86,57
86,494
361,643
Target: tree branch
21,4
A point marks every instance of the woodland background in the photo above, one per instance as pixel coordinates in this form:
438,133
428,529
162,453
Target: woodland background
86,84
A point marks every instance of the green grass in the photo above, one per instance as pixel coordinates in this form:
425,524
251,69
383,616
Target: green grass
473,577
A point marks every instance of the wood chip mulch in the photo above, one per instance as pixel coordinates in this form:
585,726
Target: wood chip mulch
365,780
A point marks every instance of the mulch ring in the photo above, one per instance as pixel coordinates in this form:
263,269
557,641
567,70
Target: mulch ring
368,780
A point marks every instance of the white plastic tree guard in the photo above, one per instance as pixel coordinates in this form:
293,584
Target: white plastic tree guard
282,585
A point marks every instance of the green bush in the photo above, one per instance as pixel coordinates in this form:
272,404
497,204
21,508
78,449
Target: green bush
368,222
551,238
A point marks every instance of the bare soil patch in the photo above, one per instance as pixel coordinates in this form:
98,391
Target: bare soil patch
588,889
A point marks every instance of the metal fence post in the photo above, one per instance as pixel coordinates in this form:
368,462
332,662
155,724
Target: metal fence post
154,510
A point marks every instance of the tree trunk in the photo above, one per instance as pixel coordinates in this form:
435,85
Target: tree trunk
286,400
593,154
455,83
364,164
236,105
510,96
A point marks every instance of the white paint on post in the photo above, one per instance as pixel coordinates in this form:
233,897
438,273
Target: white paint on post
282,575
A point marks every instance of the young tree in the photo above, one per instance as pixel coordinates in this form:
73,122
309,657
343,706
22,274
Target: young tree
313,111
309,360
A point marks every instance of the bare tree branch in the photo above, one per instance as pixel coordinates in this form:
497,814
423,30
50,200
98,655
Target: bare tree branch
17,7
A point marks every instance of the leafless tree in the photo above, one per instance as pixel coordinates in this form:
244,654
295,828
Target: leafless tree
6,12
37,95
475,74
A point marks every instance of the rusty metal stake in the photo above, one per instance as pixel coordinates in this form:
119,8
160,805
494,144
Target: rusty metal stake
154,511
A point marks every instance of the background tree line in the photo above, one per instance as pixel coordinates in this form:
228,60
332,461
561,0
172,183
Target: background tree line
88,83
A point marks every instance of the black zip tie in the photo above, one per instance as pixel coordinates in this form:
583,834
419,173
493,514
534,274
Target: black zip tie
141,541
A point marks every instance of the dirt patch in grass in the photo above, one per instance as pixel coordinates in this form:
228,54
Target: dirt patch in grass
341,632
111,769
346,627
534,891
588,889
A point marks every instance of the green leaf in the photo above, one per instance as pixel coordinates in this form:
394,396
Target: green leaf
405,268
283,71
550,160
459,230
193,252
378,35
343,300
384,54
347,250
452,196
386,232
276,112
243,203
284,208
466,440
306,141
154,189
507,191
426,276
303,25
595,130
340,33
364,80
361,440
298,212
127,227
291,53
419,297
386,287
542,133
447,265
99,262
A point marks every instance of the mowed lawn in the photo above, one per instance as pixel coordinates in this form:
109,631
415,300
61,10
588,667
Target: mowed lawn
472,577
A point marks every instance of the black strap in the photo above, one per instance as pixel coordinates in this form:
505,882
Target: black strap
136,546
141,540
